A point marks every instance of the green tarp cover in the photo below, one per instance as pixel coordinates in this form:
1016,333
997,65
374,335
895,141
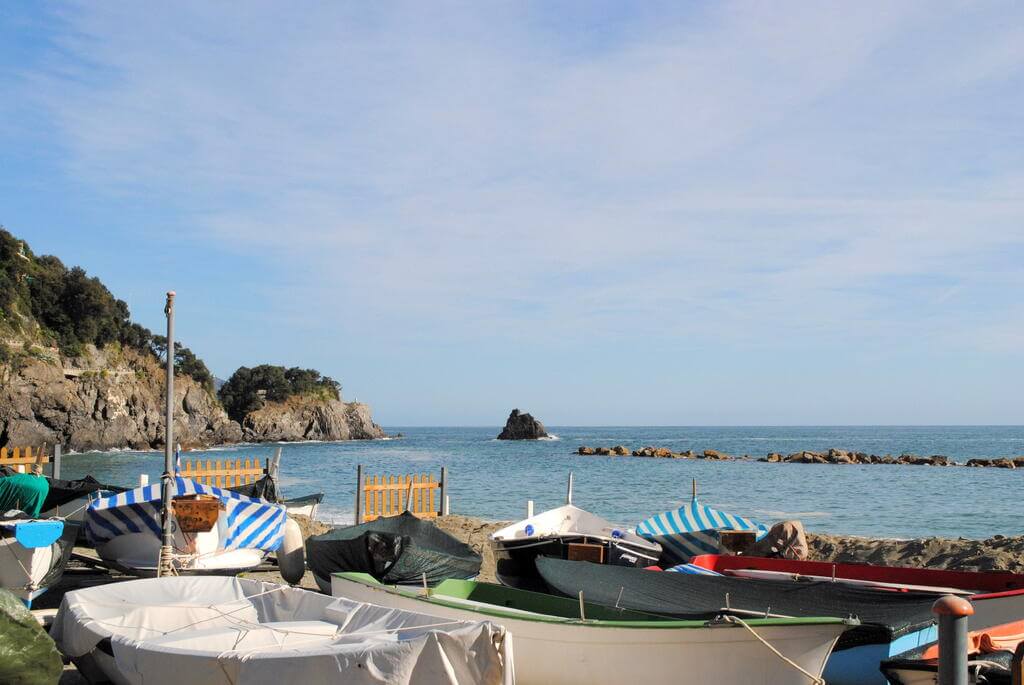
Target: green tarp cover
397,549
27,654
23,491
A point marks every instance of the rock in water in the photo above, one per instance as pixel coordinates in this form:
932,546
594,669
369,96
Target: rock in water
522,427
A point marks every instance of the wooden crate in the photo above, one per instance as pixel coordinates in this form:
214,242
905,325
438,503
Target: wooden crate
196,513
223,474
583,551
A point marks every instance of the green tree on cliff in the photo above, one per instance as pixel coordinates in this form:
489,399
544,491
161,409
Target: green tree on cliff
74,310
247,388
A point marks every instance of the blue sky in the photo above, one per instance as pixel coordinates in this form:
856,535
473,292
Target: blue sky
720,213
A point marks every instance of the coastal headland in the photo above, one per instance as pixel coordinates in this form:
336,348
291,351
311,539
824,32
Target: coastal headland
75,370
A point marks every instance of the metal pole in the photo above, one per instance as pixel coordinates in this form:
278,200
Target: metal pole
56,460
568,492
952,612
164,566
444,491
359,494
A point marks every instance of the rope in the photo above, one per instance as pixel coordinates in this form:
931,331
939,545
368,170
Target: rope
739,621
30,586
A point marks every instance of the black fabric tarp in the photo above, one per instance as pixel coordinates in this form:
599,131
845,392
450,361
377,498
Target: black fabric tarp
884,615
265,487
28,655
396,549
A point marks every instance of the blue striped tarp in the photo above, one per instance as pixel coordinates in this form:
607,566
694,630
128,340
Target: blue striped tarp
692,529
693,570
251,523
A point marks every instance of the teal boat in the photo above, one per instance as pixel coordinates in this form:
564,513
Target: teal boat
570,642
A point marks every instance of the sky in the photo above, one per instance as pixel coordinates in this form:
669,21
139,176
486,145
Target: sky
603,213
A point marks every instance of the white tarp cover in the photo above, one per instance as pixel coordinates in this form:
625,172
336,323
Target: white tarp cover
214,629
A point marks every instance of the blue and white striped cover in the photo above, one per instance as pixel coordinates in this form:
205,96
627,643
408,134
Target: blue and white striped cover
693,570
692,529
252,523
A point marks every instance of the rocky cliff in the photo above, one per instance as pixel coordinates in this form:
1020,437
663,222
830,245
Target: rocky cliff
104,399
311,418
114,399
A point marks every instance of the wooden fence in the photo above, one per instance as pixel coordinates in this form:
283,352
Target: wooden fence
224,474
21,459
380,496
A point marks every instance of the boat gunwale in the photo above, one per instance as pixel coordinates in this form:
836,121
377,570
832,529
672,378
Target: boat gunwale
668,624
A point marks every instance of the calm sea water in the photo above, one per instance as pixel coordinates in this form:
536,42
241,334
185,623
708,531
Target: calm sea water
494,479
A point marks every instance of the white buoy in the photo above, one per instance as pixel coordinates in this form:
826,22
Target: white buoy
143,480
291,557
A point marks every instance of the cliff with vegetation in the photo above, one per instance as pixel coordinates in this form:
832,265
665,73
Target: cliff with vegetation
75,369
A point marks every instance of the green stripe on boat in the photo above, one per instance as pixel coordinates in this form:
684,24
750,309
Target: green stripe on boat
504,602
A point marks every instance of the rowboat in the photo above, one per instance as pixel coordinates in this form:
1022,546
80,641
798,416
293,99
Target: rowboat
214,630
570,642
997,596
566,532
395,549
215,530
891,622
303,506
33,554
990,658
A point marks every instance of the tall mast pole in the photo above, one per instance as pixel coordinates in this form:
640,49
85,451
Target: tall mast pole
164,566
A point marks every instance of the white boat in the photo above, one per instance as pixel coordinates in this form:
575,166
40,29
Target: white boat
33,554
125,529
555,646
303,506
566,532
214,630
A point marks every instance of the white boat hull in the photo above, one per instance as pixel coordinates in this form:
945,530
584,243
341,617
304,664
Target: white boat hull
23,569
228,631
139,553
550,653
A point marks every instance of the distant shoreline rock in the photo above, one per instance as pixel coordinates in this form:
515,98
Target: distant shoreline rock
832,456
522,426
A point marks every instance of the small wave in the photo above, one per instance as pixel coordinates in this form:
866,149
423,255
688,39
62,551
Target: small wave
550,437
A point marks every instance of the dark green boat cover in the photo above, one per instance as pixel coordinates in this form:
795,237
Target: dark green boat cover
394,550
27,654
884,616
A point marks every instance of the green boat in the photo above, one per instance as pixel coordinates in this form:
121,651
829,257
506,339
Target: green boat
567,641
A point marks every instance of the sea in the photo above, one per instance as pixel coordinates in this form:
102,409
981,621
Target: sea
494,479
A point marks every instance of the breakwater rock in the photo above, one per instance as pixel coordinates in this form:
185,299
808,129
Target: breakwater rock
310,418
831,456
522,426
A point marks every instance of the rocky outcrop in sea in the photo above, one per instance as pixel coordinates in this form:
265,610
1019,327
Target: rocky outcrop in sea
521,426
113,398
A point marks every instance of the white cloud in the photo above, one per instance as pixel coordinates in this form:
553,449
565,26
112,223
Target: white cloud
752,167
